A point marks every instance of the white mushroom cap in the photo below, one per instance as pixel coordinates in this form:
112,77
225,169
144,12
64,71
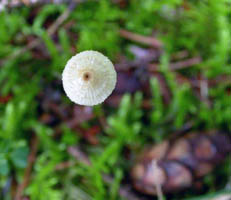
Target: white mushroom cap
89,78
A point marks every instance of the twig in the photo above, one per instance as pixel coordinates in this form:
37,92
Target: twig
177,65
226,79
151,41
179,55
4,4
164,88
51,30
64,165
185,63
144,55
31,160
81,157
182,131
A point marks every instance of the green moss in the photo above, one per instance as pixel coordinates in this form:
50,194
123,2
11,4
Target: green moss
200,27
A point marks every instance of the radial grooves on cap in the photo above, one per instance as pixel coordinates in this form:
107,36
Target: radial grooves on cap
100,84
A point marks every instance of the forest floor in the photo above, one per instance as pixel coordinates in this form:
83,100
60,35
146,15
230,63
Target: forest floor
173,63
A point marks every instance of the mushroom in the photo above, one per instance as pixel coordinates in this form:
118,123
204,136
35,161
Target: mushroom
89,78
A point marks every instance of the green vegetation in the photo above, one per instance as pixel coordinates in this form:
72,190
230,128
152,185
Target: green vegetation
198,27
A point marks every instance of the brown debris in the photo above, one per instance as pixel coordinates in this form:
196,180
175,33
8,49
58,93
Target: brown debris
179,176
28,170
91,133
177,65
204,149
185,63
178,150
184,160
64,165
127,82
149,178
51,30
81,114
150,41
122,3
180,55
78,155
5,99
17,3
156,152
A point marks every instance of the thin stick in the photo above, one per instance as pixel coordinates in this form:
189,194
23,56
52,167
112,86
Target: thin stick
5,4
151,41
179,55
177,65
51,30
185,63
27,174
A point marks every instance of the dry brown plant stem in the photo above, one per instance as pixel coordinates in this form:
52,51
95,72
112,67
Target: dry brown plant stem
31,159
